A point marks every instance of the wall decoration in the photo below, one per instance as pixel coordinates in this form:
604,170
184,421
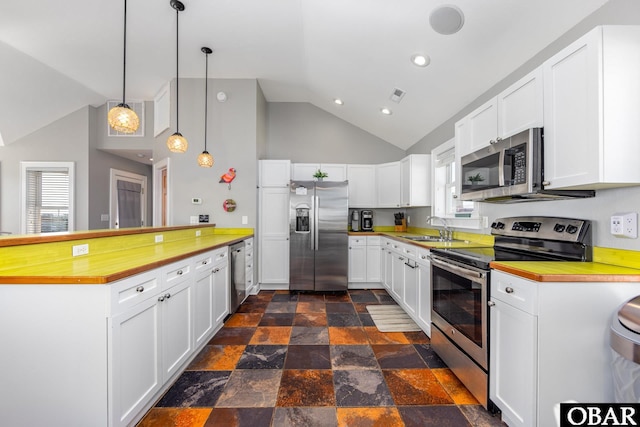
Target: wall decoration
229,176
229,205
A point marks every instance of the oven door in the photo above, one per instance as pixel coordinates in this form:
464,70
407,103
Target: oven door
459,306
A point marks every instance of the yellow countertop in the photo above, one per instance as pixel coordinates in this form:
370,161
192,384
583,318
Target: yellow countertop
461,240
567,271
106,267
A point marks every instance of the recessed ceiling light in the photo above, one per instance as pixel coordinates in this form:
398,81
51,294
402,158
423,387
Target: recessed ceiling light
140,155
420,60
338,101
386,111
446,19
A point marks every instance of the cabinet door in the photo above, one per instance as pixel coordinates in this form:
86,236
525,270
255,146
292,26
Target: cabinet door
424,296
520,106
274,173
362,186
373,264
136,374
304,171
203,319
274,260
357,263
221,290
483,126
335,171
571,113
388,185
415,180
397,277
177,327
274,212
513,363
410,297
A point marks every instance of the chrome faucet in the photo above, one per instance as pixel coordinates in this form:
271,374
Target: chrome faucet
446,233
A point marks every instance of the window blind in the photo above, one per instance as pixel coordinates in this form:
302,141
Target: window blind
47,200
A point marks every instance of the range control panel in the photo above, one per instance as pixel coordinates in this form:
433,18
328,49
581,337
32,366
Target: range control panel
548,228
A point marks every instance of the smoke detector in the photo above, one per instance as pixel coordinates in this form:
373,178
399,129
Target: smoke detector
396,95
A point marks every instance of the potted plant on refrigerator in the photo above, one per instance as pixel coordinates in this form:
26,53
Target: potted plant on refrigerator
319,175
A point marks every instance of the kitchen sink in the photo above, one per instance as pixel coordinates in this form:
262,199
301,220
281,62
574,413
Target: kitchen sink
424,238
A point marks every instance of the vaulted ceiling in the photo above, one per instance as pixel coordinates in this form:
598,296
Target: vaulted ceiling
57,57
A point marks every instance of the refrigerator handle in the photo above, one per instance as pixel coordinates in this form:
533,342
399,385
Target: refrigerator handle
316,209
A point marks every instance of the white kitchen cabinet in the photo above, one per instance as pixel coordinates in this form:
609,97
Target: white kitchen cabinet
387,259
251,287
221,292
364,261
273,236
357,259
362,186
176,317
517,108
410,295
388,185
203,320
415,180
423,315
549,344
274,173
591,104
397,275
305,171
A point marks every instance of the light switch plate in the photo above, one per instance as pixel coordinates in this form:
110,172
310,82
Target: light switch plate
196,200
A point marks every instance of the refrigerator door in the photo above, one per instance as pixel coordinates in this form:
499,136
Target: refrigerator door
331,241
301,236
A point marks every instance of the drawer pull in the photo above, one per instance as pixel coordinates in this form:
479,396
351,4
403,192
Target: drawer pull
491,303
205,262
167,296
140,289
215,270
179,272
161,298
508,290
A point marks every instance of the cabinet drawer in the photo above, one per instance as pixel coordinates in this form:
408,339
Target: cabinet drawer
133,290
248,244
373,240
422,255
203,261
357,241
176,272
519,293
409,251
220,256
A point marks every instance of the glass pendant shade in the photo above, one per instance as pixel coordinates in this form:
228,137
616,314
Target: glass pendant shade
205,159
123,119
177,143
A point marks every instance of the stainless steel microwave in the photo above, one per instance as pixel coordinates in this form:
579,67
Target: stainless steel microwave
510,170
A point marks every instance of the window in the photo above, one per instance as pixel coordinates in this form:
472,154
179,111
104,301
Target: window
47,197
446,201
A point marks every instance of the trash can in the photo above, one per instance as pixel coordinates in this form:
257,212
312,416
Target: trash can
625,342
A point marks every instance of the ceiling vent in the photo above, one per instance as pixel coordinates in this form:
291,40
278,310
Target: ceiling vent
138,107
396,95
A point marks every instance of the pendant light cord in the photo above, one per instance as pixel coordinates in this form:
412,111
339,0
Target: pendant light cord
124,60
177,79
206,96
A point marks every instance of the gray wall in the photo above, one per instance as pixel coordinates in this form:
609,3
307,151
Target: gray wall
63,140
232,137
304,133
606,202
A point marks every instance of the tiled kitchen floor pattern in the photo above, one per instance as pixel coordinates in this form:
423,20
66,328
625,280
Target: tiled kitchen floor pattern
312,359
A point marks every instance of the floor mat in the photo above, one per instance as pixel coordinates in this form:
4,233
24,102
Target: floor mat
391,318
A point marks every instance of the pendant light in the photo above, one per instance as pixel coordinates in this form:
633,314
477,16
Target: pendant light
121,117
176,142
205,159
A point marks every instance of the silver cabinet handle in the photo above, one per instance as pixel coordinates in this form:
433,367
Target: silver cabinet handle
492,141
205,262
140,289
215,270
167,296
401,258
179,272
546,183
491,303
161,298
455,196
498,139
508,290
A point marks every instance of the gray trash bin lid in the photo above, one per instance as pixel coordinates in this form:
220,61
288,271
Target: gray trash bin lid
625,330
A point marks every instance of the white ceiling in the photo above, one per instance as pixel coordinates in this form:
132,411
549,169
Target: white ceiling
60,56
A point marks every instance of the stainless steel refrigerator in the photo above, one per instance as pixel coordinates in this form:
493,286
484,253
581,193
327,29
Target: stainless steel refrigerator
318,236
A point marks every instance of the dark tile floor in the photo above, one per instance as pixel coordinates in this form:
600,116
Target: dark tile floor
312,359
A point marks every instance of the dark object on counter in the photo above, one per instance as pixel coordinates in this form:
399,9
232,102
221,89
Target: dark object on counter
366,220
398,217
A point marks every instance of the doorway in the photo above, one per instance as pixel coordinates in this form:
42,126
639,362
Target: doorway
161,194
128,199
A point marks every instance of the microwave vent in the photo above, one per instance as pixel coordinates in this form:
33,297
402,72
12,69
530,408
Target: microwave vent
397,95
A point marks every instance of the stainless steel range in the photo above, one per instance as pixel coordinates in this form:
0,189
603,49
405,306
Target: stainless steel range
460,280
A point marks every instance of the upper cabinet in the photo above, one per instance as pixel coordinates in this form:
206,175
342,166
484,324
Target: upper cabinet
591,105
388,185
274,173
517,108
305,171
362,186
415,180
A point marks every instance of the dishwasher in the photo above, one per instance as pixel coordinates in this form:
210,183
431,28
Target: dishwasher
238,276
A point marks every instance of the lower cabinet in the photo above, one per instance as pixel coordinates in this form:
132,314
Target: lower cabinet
364,261
221,293
423,315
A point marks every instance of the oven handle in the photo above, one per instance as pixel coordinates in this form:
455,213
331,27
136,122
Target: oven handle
463,272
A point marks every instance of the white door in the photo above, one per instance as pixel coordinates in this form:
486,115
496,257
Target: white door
203,322
357,263
221,289
128,199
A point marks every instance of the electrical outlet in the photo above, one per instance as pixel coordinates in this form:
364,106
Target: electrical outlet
193,219
245,220
81,249
198,233
159,238
408,219
625,225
